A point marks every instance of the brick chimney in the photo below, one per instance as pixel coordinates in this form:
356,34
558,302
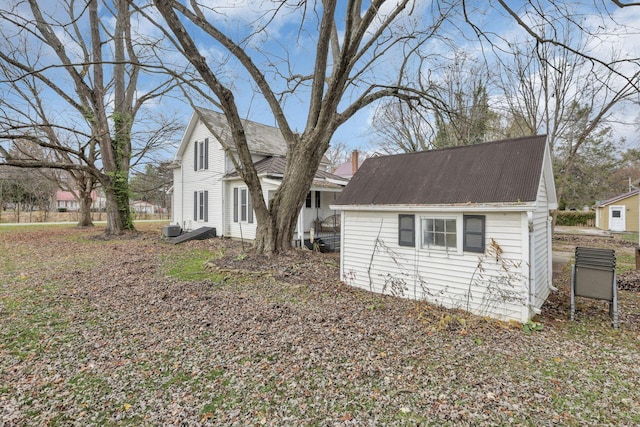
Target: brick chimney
354,162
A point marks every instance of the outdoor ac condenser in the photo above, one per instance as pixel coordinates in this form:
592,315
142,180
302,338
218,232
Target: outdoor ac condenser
171,230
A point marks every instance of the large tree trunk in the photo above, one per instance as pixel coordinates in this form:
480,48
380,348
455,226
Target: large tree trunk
85,212
275,230
119,218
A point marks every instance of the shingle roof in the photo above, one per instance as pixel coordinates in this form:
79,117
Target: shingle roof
494,172
275,165
262,139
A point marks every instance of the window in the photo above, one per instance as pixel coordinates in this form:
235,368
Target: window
308,201
201,206
317,199
406,230
473,233
201,155
242,206
439,233
616,213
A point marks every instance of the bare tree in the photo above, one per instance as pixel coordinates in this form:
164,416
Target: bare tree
353,45
337,154
549,88
461,114
399,127
71,78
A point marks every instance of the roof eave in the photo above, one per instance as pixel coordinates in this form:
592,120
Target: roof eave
465,207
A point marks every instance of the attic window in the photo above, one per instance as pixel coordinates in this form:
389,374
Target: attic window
407,230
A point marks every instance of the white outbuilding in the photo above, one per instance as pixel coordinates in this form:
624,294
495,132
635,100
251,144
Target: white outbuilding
465,227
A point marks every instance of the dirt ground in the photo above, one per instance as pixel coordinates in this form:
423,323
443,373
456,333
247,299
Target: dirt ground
628,279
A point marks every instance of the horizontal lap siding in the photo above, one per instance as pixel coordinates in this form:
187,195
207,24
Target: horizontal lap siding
542,251
244,229
373,260
202,180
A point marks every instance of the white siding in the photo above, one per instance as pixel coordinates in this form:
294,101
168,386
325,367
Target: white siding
542,263
313,214
241,229
190,180
494,283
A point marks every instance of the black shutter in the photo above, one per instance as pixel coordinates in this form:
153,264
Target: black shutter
235,204
249,207
195,205
206,153
206,206
195,156
406,230
473,233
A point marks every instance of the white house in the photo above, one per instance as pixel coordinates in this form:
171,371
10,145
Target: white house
207,191
465,227
68,200
140,206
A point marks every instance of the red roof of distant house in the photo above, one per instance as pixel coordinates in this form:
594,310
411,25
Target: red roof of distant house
68,196
349,168
64,196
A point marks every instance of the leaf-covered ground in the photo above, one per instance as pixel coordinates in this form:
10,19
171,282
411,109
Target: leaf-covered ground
135,331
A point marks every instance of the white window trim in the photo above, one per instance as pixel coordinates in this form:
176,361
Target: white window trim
243,210
202,203
441,249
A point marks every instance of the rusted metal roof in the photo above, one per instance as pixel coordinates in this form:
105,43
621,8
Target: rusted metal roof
506,171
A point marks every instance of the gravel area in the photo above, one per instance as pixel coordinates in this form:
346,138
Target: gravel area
135,331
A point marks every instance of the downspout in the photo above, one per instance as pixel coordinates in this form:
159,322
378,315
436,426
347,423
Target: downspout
182,195
223,192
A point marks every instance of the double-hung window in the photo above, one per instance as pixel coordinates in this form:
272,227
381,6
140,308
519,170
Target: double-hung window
201,206
440,233
201,155
242,206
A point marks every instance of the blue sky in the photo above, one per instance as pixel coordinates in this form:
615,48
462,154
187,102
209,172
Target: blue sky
289,42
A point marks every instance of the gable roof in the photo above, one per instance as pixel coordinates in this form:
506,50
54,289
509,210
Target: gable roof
506,171
274,166
616,198
261,139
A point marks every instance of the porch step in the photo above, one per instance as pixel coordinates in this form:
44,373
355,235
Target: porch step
201,233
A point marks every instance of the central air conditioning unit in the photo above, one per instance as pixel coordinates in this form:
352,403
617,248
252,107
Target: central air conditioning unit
171,230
